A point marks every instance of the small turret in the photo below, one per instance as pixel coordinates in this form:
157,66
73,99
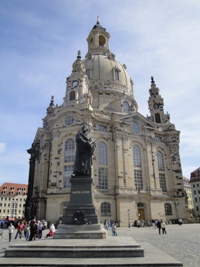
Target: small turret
156,105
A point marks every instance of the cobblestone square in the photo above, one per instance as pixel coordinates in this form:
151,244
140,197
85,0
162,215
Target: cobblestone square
181,242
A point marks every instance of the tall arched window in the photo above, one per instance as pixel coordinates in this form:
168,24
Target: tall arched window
69,150
105,209
102,154
116,75
160,161
157,118
88,73
72,96
161,173
103,178
68,171
168,209
137,168
102,171
136,156
125,107
102,40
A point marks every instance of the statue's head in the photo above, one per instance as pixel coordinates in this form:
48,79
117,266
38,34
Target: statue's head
85,128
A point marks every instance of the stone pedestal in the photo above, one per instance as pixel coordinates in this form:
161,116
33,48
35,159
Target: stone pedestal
80,200
85,231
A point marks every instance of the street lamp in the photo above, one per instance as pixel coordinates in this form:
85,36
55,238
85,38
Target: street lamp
128,218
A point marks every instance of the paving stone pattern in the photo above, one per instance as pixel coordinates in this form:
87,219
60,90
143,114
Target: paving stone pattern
181,242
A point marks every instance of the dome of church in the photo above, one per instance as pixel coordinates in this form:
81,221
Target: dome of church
105,73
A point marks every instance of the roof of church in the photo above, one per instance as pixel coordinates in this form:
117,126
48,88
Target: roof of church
13,189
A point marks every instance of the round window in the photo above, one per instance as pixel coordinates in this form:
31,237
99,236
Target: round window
69,120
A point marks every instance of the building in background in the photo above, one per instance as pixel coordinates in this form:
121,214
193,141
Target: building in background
12,199
195,186
190,204
136,168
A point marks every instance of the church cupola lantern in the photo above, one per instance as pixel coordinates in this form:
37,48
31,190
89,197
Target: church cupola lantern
98,39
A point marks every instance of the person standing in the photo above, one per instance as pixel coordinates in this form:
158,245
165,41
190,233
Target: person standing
163,226
27,231
158,224
10,231
114,233
40,229
32,225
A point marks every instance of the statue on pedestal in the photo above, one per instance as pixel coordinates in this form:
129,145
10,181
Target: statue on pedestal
85,146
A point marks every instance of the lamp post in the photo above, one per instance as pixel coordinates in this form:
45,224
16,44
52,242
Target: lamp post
128,218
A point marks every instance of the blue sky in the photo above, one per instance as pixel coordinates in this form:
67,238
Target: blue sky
39,41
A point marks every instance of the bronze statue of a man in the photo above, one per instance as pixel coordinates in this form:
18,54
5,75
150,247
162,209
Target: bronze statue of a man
85,147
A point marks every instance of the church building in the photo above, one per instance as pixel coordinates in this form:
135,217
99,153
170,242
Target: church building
136,167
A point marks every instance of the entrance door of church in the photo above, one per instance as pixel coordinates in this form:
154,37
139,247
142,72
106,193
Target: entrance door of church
141,214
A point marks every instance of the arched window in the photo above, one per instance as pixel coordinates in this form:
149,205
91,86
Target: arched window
160,161
125,107
137,168
168,209
116,75
88,73
102,154
72,96
68,171
102,40
103,178
157,118
136,156
105,209
161,173
102,160
69,150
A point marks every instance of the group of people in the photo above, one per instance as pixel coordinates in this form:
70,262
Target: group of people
29,229
111,226
161,225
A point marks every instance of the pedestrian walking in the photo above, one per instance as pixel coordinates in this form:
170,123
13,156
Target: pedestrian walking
163,226
32,229
40,229
10,231
20,228
25,227
27,231
158,225
114,232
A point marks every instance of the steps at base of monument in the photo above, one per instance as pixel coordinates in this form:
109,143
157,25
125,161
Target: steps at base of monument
76,253
153,257
111,247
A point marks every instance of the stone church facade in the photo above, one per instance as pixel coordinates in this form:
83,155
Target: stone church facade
136,167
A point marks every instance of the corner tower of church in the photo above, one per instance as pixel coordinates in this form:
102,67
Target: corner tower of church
136,165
